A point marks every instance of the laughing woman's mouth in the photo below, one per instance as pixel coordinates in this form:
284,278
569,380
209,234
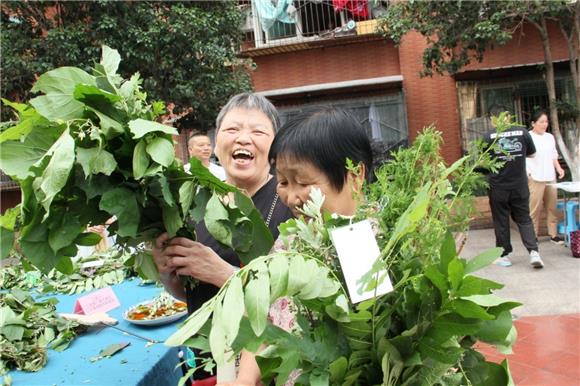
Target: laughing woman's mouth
242,156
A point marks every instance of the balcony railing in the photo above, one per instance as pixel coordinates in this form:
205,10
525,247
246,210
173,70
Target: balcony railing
271,23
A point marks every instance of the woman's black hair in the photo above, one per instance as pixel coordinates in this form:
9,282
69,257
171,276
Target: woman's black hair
326,137
538,114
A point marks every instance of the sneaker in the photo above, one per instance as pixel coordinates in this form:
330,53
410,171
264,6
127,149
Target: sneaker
536,260
557,240
503,261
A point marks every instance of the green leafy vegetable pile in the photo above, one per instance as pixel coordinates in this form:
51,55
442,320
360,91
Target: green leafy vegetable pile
111,269
28,329
88,149
422,333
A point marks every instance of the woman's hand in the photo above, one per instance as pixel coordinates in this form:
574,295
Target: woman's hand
190,258
167,273
161,257
561,173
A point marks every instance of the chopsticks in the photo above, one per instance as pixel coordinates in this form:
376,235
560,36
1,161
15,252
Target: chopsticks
130,333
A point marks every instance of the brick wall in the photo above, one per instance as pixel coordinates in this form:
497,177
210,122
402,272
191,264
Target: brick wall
524,48
429,100
326,65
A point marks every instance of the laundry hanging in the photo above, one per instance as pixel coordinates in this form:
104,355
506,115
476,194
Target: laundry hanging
282,11
358,8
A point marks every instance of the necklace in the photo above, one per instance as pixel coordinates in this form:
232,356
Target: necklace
271,212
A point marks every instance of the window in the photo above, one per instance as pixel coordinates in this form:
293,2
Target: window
521,98
383,117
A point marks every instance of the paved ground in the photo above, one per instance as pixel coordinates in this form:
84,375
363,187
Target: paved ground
553,290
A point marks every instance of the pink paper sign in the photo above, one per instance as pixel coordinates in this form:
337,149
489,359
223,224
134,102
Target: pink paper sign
102,300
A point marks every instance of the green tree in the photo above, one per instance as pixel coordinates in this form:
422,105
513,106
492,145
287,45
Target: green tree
184,51
458,32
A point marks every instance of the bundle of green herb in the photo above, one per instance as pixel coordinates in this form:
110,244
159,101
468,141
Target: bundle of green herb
422,333
88,149
28,329
95,271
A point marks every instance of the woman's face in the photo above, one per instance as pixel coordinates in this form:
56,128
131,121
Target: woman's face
242,144
541,125
296,178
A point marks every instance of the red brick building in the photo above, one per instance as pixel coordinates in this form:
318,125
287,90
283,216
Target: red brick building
318,57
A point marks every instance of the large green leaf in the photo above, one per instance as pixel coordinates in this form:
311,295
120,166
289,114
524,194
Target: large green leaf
161,151
216,216
171,219
64,232
186,194
447,251
57,171
278,267
217,338
298,275
233,305
88,239
315,280
35,246
8,219
6,242
456,273
95,161
140,127
472,285
29,119
17,157
145,265
110,60
455,325
102,103
257,297
59,86
262,239
497,330
469,309
207,179
140,160
482,260
121,202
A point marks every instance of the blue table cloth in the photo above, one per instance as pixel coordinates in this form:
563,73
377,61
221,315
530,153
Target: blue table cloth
134,365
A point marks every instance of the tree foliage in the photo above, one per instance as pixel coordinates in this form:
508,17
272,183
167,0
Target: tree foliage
459,32
184,51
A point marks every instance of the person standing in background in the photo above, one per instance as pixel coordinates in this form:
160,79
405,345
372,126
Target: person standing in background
509,194
541,173
199,146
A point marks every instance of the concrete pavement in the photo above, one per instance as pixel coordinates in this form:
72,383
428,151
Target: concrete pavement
552,290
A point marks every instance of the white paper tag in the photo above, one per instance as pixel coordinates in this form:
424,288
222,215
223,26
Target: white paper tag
357,251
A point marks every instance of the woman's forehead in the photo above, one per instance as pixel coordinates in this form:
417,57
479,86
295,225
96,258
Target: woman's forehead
252,118
292,162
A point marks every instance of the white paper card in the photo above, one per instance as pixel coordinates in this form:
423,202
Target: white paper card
357,251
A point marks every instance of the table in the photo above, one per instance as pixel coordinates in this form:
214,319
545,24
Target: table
135,365
568,187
